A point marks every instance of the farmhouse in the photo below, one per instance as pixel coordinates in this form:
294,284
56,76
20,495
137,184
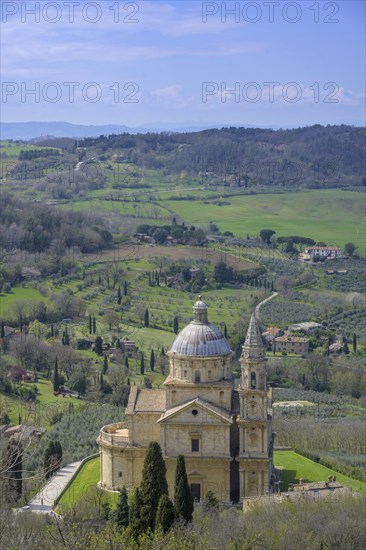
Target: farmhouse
329,252
291,344
224,433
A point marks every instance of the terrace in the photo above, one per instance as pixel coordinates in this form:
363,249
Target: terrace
116,435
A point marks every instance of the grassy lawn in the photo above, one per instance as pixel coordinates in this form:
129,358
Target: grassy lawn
19,293
296,467
333,216
83,485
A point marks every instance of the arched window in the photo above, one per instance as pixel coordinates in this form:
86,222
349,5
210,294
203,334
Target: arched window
210,374
197,376
222,395
174,395
253,380
185,374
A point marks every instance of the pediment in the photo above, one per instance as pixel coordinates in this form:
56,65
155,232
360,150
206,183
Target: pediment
195,474
206,412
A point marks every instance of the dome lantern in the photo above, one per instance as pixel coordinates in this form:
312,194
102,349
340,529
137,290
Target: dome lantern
200,311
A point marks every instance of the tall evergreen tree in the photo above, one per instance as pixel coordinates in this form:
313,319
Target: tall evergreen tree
90,324
105,364
136,525
52,458
152,360
165,514
2,329
146,318
94,325
142,364
176,325
183,501
119,296
121,513
98,345
127,363
153,484
56,380
354,342
125,288
225,330
52,331
58,454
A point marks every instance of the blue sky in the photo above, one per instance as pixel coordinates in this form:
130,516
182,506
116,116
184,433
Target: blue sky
138,63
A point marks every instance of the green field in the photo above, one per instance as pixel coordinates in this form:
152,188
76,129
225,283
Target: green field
83,485
296,467
333,216
19,293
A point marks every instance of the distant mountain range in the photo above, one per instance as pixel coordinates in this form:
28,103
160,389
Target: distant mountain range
32,130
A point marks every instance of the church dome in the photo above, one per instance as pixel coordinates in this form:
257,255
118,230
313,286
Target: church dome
200,338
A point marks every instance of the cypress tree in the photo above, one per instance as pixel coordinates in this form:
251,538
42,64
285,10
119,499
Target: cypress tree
126,363
147,322
125,289
94,325
52,330
135,522
354,342
2,329
152,360
98,345
153,484
119,296
176,325
58,454
105,364
66,338
90,324
121,514
142,364
56,380
183,502
225,330
165,514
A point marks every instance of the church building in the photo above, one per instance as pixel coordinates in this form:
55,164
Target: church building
224,432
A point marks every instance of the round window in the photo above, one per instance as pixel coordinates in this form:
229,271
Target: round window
195,412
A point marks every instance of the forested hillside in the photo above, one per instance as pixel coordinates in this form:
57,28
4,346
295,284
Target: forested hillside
314,156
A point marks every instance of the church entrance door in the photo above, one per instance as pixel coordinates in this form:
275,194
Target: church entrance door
196,491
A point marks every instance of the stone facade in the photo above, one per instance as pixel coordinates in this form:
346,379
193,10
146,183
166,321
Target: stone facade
224,433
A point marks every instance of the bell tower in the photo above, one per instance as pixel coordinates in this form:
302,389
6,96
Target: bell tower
255,419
